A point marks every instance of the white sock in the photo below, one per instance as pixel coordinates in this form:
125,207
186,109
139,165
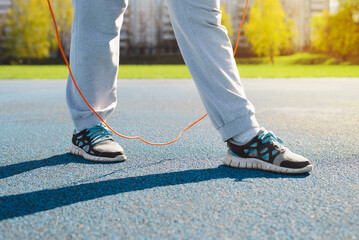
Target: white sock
245,137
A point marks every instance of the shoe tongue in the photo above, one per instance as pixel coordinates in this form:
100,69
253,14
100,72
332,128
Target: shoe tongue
261,131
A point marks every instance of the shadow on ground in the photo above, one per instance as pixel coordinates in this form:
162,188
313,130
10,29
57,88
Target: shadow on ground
47,199
18,168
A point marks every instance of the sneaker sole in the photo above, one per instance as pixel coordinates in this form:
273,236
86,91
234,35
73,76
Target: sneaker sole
80,152
253,163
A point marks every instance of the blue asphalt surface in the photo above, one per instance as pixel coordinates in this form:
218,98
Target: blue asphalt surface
181,191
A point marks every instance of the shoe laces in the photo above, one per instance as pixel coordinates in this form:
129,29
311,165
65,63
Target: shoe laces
269,136
99,133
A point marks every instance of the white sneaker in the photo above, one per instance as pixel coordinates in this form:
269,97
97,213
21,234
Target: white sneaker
96,144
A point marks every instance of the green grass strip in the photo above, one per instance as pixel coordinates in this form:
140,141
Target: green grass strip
181,71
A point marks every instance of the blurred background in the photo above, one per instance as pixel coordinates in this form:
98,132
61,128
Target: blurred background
306,32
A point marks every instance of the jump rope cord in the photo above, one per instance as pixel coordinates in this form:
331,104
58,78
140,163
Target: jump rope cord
83,97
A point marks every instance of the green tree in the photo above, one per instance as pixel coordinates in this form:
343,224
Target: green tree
226,21
337,34
29,26
268,30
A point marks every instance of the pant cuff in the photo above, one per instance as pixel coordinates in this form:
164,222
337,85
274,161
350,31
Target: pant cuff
238,126
88,122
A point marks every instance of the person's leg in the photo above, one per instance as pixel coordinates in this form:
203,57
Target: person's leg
94,60
208,54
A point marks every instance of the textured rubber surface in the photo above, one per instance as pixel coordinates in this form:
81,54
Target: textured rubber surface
80,152
253,163
183,190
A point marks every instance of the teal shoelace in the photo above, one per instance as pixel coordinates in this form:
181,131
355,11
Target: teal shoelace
268,136
99,133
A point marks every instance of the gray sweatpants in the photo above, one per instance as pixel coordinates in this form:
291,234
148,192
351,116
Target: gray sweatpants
203,42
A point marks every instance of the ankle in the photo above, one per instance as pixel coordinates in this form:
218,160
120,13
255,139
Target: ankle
245,137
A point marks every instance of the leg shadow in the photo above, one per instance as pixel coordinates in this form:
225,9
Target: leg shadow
47,199
18,168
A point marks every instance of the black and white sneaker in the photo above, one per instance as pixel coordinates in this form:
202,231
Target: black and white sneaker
265,152
96,144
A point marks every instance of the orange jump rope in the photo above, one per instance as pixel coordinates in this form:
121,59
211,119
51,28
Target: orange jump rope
83,97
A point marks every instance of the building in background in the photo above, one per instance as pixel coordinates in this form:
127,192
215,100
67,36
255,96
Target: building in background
4,5
235,9
301,12
147,29
333,6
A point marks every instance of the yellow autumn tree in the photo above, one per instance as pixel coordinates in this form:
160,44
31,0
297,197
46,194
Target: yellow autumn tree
269,30
31,33
28,24
344,33
337,34
319,35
